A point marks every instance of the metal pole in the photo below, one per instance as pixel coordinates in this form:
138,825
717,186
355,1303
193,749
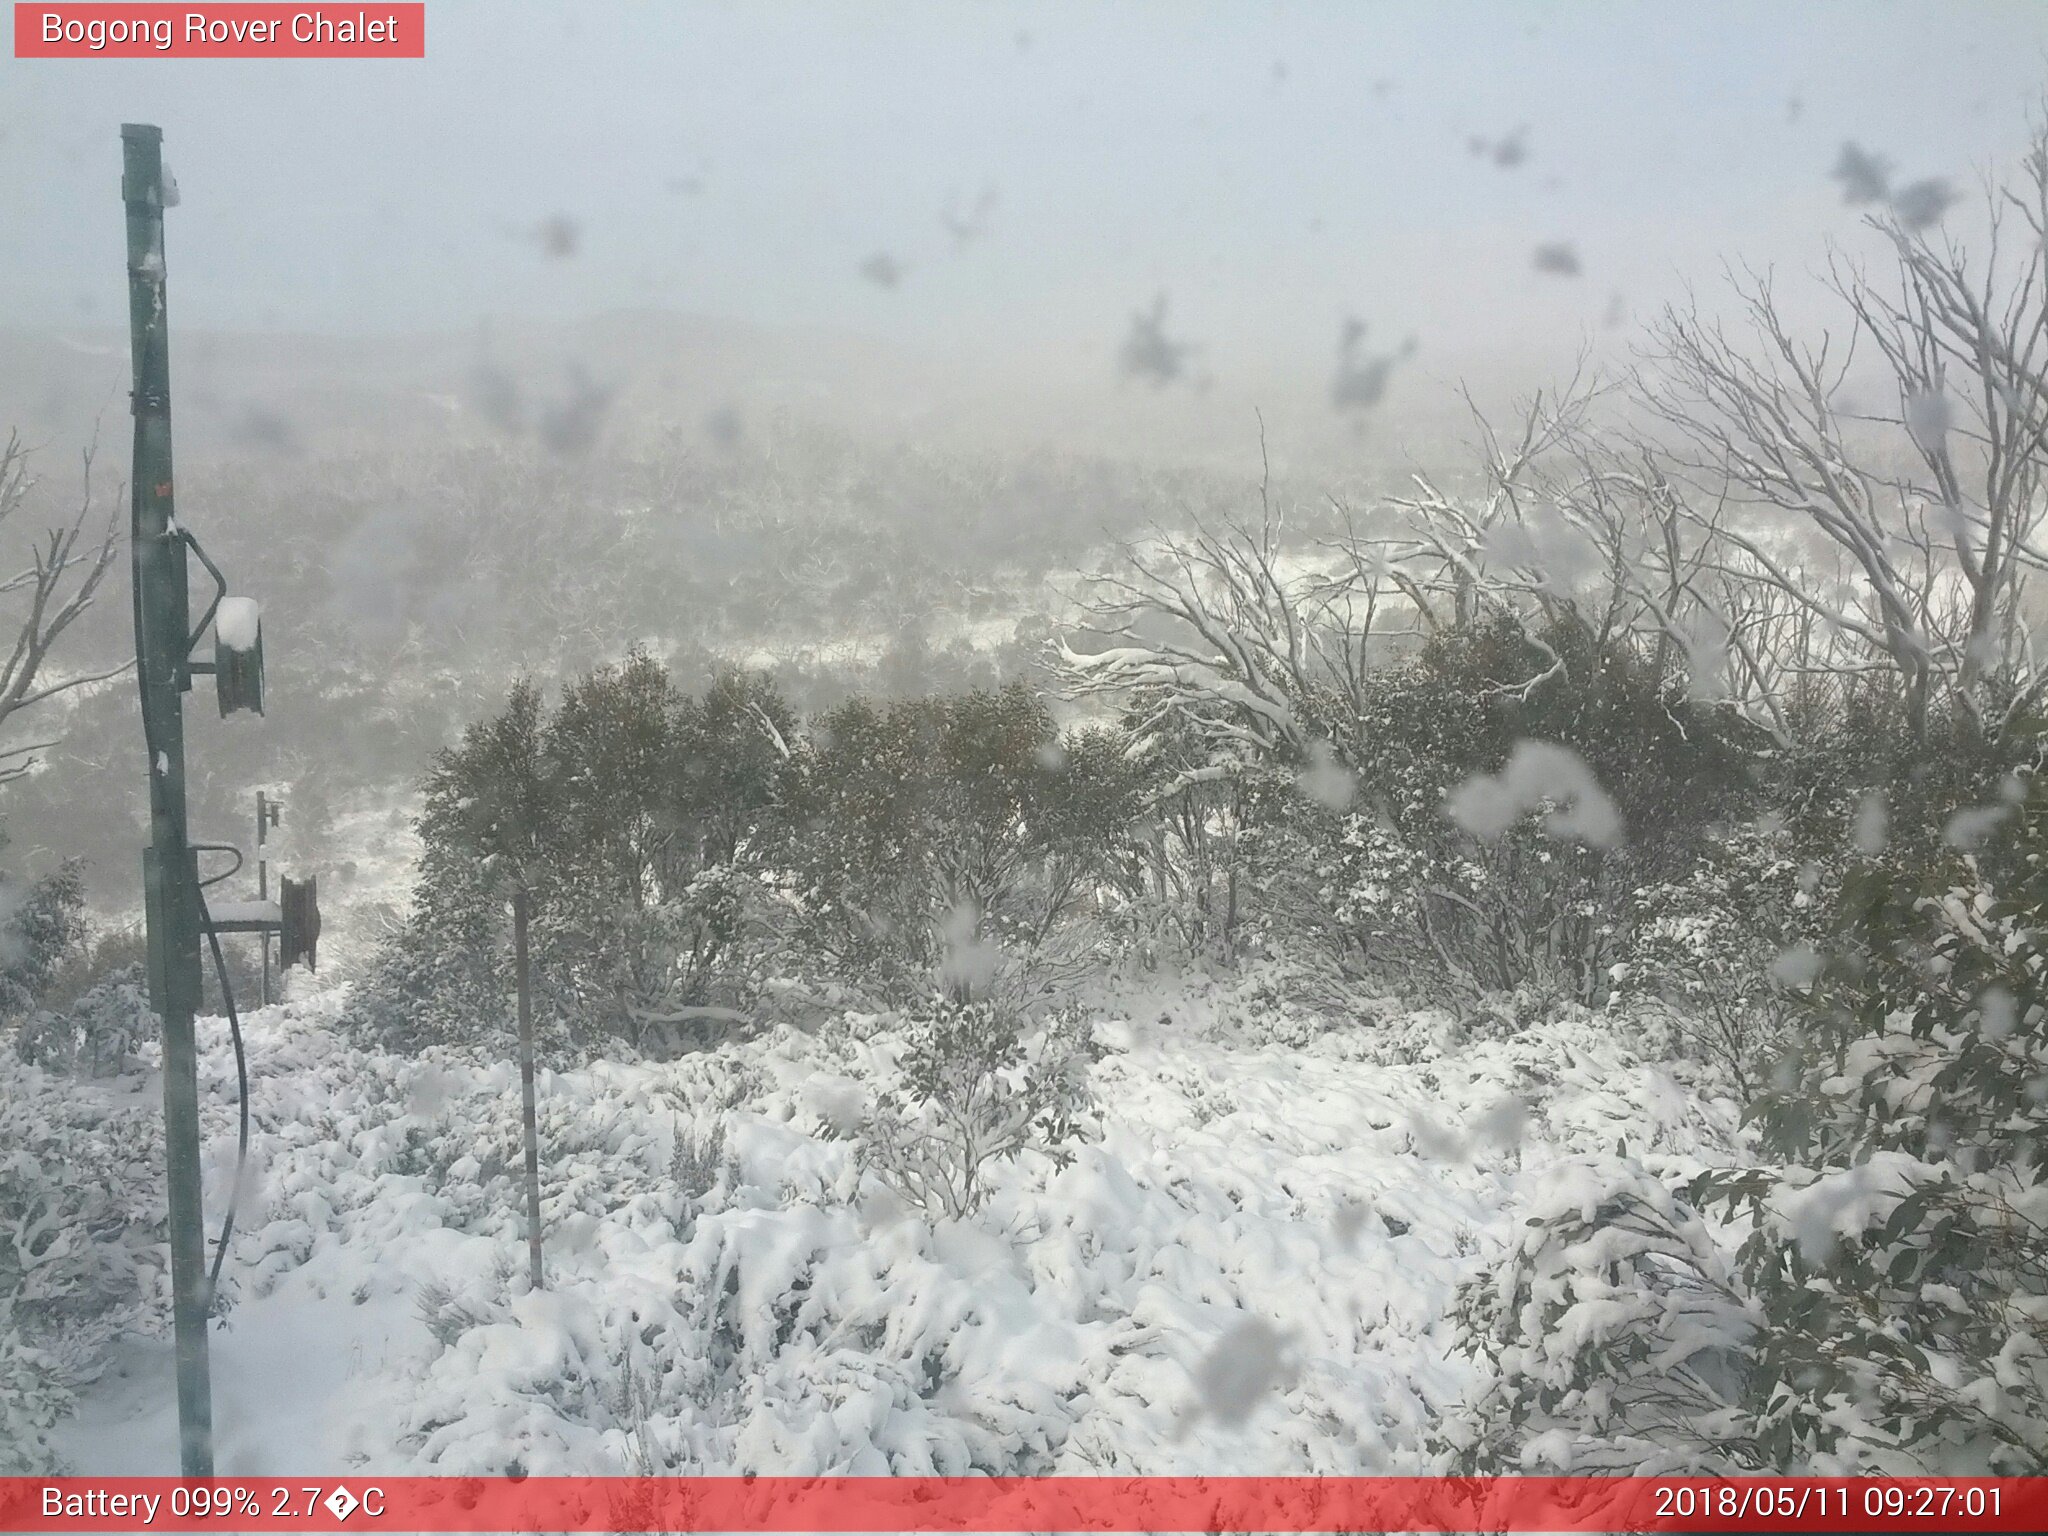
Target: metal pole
520,970
170,875
264,812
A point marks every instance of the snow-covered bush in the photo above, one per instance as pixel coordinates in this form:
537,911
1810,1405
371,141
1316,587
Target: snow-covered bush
1201,824
698,1163
1619,1341
38,1383
1885,1308
1237,661
660,811
82,1259
448,1315
1899,1250
41,922
974,1094
1716,952
663,974
445,978
94,1034
1488,838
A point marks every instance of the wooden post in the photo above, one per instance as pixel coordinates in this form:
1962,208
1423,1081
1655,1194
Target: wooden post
526,1086
266,814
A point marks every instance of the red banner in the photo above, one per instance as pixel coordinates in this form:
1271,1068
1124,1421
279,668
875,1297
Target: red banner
1114,1504
214,31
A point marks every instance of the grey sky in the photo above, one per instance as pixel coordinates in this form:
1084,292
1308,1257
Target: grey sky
1271,167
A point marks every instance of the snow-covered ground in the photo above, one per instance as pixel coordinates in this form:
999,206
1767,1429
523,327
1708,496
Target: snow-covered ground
1250,1271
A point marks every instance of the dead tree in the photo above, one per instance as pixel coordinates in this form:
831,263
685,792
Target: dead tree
49,594
1940,536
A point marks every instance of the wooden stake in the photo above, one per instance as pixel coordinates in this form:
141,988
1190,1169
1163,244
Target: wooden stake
526,1086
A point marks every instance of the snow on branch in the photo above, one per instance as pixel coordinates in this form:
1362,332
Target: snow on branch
56,587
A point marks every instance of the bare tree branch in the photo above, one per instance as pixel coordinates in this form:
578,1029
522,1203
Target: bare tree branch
56,587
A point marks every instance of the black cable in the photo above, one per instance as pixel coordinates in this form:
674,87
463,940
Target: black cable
227,997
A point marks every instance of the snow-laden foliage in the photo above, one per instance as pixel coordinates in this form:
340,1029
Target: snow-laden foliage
1490,842
1710,949
1871,1299
41,921
95,1034
82,1261
973,1095
1900,1250
1618,1341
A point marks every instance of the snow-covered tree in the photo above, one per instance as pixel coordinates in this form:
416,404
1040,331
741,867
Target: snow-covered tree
1936,524
955,842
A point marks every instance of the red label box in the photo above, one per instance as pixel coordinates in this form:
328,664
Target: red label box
260,30
1106,1504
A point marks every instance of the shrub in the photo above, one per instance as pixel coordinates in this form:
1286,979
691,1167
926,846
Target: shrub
1883,1312
1395,875
698,1162
954,840
972,1096
1900,1249
1618,1339
1708,955
41,922
445,977
81,1246
638,819
93,1035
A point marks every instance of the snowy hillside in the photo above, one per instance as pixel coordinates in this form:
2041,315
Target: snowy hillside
1251,1271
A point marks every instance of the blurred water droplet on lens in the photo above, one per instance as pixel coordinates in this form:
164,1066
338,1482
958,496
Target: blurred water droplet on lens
1865,177
1243,1368
571,425
1148,352
1921,204
559,236
1929,416
724,427
882,269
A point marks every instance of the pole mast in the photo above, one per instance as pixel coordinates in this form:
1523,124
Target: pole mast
169,870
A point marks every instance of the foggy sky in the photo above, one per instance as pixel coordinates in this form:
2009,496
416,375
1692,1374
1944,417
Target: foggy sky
1272,168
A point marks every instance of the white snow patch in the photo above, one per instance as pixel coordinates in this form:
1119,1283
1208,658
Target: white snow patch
1250,1272
237,622
1538,774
